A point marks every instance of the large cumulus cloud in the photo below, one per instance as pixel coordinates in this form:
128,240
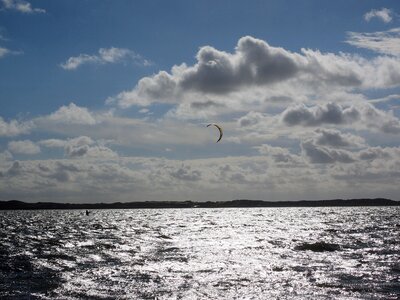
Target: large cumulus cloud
221,77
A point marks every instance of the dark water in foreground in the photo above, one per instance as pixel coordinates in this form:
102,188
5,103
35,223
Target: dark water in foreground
237,253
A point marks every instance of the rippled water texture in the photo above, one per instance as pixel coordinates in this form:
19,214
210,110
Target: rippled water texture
236,253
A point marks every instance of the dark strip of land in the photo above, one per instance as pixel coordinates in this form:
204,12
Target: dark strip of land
15,204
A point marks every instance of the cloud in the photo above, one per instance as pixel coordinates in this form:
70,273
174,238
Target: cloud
250,119
255,62
14,127
388,98
330,113
15,169
373,153
21,6
104,56
325,155
89,151
377,165
385,42
185,173
72,114
365,115
278,154
335,138
78,147
125,131
257,74
159,88
380,120
53,143
2,34
82,146
383,14
23,147
216,72
5,156
326,175
5,52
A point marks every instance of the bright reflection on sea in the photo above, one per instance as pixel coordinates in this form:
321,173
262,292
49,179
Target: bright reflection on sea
227,253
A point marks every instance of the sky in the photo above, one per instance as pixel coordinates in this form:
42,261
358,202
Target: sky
105,101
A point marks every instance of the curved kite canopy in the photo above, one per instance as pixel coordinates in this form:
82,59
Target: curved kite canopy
219,128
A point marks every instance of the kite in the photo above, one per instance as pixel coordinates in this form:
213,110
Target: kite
219,128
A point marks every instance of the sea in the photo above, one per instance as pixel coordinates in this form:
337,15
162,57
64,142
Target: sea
201,253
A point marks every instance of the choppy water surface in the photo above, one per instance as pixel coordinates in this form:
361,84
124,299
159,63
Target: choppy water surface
237,253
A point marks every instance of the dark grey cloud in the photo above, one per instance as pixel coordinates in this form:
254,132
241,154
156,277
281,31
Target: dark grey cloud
76,151
365,115
205,105
60,171
391,126
15,169
335,138
279,99
185,173
238,178
325,155
224,170
360,175
373,153
64,171
330,113
254,63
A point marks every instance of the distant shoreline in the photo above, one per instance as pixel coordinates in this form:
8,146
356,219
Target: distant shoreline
20,205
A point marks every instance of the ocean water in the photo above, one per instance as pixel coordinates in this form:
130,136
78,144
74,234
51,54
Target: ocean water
226,253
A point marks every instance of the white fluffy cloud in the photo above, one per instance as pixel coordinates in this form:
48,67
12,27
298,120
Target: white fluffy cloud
23,147
104,56
383,14
14,127
21,6
72,114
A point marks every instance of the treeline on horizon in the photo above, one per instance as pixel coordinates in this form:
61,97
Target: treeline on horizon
15,204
